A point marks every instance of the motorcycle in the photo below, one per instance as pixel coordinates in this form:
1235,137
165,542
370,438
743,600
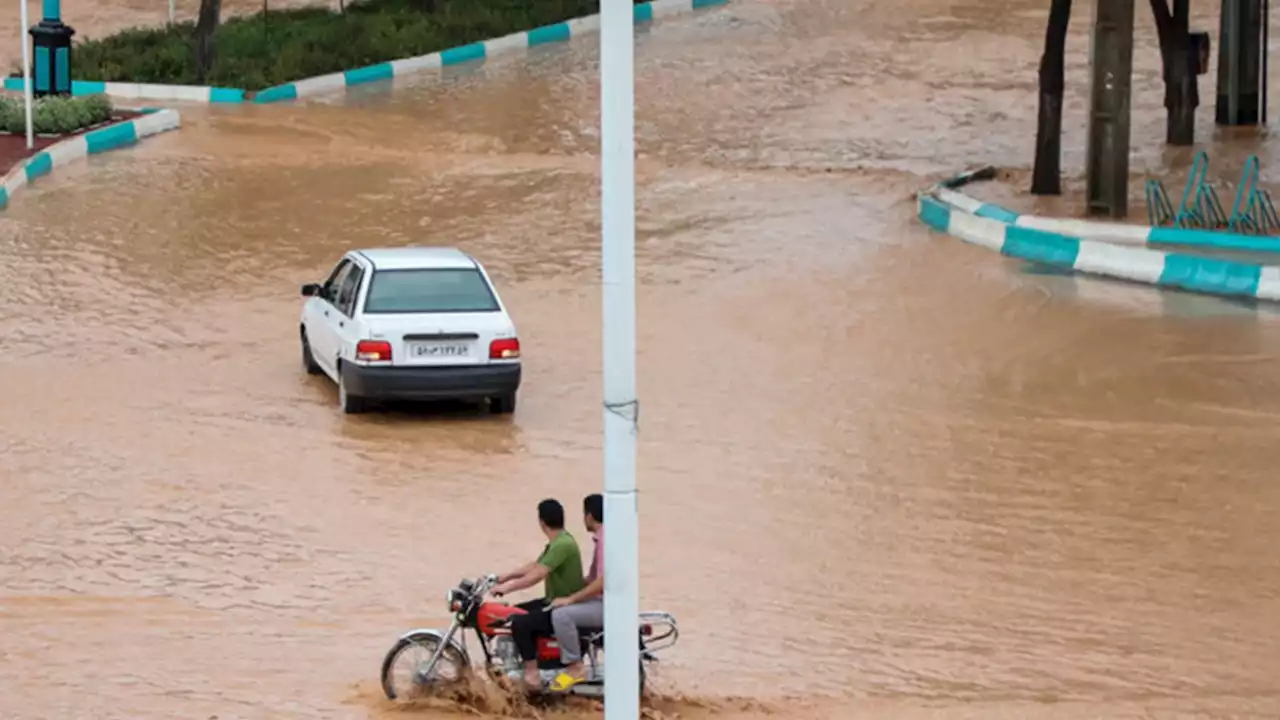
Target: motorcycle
441,658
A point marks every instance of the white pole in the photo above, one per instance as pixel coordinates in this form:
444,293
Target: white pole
618,258
170,12
26,73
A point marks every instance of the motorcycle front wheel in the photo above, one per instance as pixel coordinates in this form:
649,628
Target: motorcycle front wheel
403,676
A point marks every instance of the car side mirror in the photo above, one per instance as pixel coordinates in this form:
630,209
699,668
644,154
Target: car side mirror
311,289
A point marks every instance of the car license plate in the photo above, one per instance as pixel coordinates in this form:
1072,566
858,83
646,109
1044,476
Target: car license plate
440,350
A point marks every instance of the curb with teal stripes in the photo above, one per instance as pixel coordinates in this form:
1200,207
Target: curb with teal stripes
146,91
1116,232
93,142
474,52
991,226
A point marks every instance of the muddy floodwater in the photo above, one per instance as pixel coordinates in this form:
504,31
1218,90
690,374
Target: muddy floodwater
883,474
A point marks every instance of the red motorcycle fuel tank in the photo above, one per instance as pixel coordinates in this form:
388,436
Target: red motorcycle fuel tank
491,613
495,613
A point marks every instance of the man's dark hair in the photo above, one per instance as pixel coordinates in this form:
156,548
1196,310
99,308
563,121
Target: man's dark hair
593,505
551,513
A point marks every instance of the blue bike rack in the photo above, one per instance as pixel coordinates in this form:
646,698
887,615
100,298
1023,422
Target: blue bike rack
1159,210
1252,211
1199,208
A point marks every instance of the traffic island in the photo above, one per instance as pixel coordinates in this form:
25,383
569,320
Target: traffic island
53,119
1114,250
23,165
287,54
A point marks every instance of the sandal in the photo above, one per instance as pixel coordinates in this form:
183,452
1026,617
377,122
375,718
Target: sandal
563,682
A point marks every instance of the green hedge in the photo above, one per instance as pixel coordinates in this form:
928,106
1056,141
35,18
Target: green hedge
259,51
54,114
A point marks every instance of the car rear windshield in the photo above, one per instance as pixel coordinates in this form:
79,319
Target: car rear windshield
429,291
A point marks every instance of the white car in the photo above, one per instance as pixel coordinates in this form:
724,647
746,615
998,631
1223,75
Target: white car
413,323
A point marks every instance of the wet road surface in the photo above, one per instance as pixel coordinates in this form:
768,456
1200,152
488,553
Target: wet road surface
881,471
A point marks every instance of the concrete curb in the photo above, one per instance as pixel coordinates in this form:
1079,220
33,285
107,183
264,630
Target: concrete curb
996,228
90,143
144,91
478,51
1114,232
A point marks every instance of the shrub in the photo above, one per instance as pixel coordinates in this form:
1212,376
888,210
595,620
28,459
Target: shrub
262,50
54,114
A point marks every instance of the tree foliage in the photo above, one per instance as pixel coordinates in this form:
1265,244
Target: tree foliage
252,53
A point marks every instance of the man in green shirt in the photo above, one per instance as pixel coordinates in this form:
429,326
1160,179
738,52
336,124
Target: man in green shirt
559,568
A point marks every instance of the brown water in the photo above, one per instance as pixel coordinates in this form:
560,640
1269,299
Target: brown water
884,474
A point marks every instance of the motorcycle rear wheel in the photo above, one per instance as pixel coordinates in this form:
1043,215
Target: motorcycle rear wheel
451,668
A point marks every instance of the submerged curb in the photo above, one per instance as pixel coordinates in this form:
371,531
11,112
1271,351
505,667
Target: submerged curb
477,51
91,143
948,211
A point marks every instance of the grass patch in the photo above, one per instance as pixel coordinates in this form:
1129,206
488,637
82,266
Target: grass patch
268,49
54,114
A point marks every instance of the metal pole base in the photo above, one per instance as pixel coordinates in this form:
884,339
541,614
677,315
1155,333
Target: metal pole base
1107,171
1240,79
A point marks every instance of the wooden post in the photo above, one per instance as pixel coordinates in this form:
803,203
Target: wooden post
1111,65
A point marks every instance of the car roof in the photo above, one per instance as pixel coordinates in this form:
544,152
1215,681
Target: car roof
417,258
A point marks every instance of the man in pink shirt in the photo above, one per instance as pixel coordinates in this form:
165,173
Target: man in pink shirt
583,609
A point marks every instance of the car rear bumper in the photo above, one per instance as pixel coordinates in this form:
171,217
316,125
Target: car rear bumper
461,382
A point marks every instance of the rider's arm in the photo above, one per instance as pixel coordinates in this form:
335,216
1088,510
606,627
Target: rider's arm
555,555
522,570
534,576
593,590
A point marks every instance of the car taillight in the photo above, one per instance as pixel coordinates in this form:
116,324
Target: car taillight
504,349
373,350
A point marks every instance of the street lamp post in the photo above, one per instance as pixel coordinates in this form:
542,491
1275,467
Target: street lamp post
52,51
621,409
26,72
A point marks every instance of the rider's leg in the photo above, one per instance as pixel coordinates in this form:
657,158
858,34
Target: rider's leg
525,630
568,621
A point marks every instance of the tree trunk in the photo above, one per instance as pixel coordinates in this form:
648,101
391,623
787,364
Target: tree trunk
206,26
1045,178
1181,90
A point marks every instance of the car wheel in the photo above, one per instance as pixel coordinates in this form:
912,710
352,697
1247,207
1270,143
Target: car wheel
503,404
308,360
349,403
